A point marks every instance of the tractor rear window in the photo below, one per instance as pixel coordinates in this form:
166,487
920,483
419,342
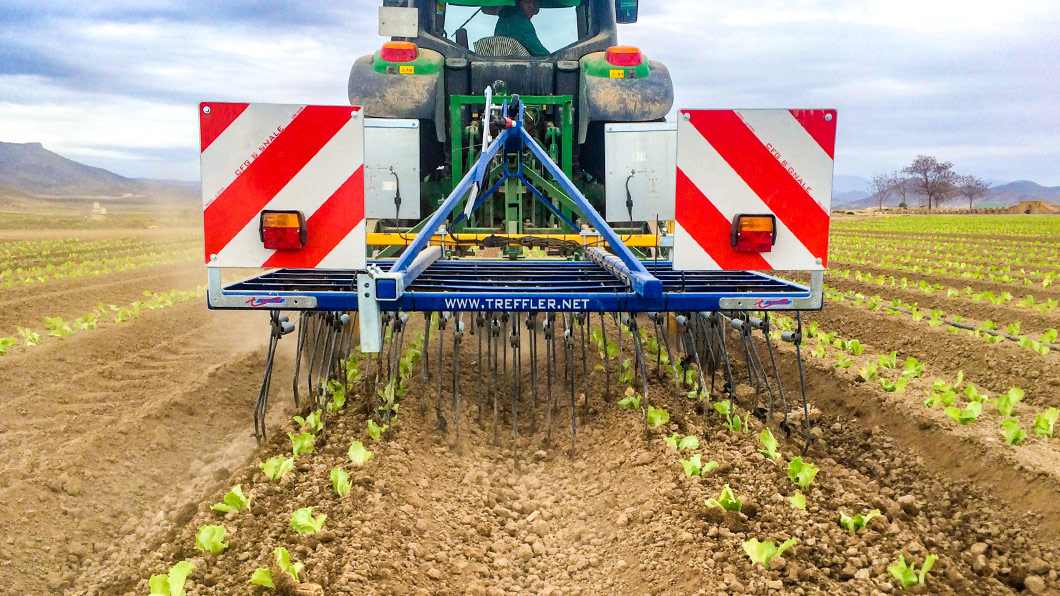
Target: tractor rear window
557,28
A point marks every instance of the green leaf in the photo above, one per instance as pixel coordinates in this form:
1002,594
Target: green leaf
709,466
1014,435
966,416
868,372
889,361
843,361
802,473
172,584
358,454
657,417
277,467
855,347
763,552
283,561
693,465
233,501
210,539
340,480
301,444
262,577
303,522
312,421
1006,402
1045,421
913,368
770,443
723,407
907,575
630,401
689,443
672,440
798,501
727,500
858,522
375,431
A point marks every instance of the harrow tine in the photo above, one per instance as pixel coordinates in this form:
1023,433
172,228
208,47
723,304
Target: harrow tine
550,365
400,324
316,334
723,347
480,323
607,359
303,325
442,321
748,327
279,326
582,321
458,338
516,369
495,331
568,342
654,316
631,322
780,387
531,326
797,340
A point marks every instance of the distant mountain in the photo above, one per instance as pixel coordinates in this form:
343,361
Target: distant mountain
848,184
1006,195
845,198
34,170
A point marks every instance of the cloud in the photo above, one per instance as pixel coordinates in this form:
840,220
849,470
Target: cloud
117,85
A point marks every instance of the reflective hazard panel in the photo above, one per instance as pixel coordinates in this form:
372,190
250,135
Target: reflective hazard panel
299,159
753,163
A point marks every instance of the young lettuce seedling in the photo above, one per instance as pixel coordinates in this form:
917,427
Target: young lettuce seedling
694,466
889,361
631,400
858,522
1014,435
340,480
893,386
5,343
358,454
966,416
172,584
1006,402
1044,422
913,368
303,522
763,552
843,361
770,444
303,443
802,473
262,577
868,372
210,539
656,417
283,561
233,501
338,395
798,501
727,500
907,574
689,443
375,431
277,467
313,421
733,423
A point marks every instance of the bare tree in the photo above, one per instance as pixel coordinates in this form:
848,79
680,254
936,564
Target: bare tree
972,188
901,188
934,180
882,185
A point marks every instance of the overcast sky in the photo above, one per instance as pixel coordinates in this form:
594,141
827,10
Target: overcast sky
115,84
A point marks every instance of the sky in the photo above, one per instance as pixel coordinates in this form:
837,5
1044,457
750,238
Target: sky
117,84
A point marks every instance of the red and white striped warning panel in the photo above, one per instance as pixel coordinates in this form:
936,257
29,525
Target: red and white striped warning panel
284,158
753,162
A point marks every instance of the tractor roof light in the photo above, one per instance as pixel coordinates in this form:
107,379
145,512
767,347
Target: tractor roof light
283,230
399,51
754,233
624,56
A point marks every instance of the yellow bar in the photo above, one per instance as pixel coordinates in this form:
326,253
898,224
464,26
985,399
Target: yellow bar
637,240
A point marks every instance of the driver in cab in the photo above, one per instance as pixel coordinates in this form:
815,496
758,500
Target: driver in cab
514,22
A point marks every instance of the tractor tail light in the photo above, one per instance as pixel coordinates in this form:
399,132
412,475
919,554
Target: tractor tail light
399,51
283,230
624,56
754,233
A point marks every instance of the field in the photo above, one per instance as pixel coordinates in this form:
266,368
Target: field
933,378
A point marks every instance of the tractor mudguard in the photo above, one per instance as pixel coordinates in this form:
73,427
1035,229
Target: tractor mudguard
607,99
386,94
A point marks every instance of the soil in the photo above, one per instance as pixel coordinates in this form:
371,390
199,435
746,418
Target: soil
118,440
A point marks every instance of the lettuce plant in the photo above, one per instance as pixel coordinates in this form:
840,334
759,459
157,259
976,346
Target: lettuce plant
907,574
733,423
262,577
763,552
843,361
798,500
689,443
173,583
57,327
340,481
631,400
855,347
303,522
375,431
233,501
802,473
210,539
1006,402
945,399
1014,435
913,368
313,421
858,522
657,417
694,466
1044,422
973,394
888,361
338,395
893,386
5,343
358,454
770,444
29,337
966,416
868,372
283,561
277,467
300,444
727,500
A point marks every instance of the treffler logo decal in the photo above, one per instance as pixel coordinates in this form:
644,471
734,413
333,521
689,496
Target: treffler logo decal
259,302
773,303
